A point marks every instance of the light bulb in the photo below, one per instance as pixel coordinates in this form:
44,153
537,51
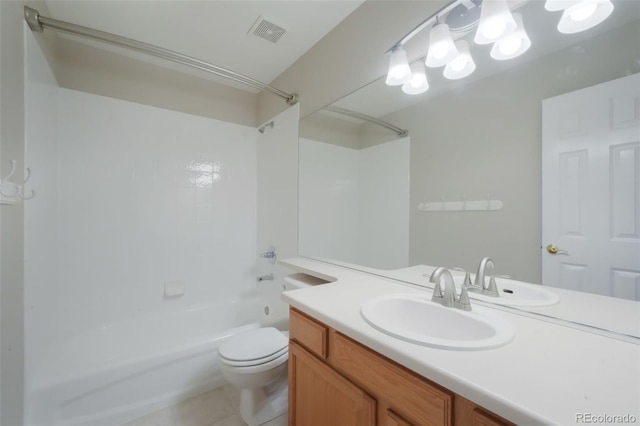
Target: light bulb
494,30
442,49
462,65
458,63
418,82
496,21
583,11
584,15
439,52
399,70
514,44
510,45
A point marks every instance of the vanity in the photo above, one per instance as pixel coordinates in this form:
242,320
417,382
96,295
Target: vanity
334,380
343,371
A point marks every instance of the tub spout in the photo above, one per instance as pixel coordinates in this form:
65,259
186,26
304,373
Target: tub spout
268,277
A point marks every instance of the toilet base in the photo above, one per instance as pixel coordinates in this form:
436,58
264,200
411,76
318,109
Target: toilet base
260,405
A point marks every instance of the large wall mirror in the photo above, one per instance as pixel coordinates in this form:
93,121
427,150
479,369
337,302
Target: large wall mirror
373,197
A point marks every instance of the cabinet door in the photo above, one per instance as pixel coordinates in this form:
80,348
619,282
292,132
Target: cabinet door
469,414
393,419
319,396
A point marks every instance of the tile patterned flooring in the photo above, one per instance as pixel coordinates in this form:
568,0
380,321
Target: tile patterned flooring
218,407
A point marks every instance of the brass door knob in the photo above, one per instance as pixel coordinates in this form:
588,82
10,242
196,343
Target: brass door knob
553,249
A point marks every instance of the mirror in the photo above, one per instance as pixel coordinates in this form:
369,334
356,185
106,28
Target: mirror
473,139
353,202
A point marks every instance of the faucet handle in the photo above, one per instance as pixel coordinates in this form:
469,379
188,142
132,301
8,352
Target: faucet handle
463,301
492,289
467,280
437,292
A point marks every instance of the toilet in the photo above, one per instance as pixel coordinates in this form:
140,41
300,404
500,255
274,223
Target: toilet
255,361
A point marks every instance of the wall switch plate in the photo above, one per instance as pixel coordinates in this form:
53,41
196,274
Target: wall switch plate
175,288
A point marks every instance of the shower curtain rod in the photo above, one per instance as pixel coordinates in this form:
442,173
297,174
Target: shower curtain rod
38,23
370,119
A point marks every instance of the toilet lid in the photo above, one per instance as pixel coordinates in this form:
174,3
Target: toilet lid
253,345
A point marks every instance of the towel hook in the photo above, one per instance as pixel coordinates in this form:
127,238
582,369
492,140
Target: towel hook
21,193
6,179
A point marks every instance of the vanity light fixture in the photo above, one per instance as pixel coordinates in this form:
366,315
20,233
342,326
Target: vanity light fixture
495,24
584,15
462,65
496,21
514,44
418,82
442,49
399,70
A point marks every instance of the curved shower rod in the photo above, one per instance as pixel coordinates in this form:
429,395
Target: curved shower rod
370,119
38,23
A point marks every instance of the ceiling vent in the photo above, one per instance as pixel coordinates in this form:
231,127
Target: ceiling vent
267,30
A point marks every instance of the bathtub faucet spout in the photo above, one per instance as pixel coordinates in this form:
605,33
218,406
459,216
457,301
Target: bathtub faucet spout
268,277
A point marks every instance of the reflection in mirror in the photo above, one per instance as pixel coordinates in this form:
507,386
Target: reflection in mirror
483,134
356,187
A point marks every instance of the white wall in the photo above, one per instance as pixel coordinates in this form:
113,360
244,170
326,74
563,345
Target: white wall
91,69
354,204
11,226
12,146
129,197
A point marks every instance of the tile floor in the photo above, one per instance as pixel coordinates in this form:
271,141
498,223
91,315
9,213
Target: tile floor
218,407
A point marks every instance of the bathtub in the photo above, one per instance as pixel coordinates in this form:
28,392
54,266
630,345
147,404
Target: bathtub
124,370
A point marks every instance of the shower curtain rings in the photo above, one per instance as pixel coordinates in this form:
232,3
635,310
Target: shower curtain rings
6,179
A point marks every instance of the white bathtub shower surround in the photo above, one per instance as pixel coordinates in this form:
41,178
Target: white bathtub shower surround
130,198
142,196
120,372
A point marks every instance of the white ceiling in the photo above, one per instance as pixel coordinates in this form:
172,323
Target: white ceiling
213,30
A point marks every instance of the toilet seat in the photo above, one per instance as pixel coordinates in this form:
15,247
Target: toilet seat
255,368
253,348
257,361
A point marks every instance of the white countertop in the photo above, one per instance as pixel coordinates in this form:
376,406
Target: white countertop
548,374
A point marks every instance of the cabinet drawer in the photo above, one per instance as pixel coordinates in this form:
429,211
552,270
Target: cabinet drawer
417,400
309,333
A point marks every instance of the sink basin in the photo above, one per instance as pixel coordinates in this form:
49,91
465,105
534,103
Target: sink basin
414,318
514,293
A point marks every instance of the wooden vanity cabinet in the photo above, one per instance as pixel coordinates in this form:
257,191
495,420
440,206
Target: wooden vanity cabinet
336,381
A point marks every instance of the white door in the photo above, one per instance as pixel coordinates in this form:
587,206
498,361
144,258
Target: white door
591,189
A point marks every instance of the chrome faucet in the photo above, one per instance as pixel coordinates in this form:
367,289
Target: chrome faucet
479,281
449,297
